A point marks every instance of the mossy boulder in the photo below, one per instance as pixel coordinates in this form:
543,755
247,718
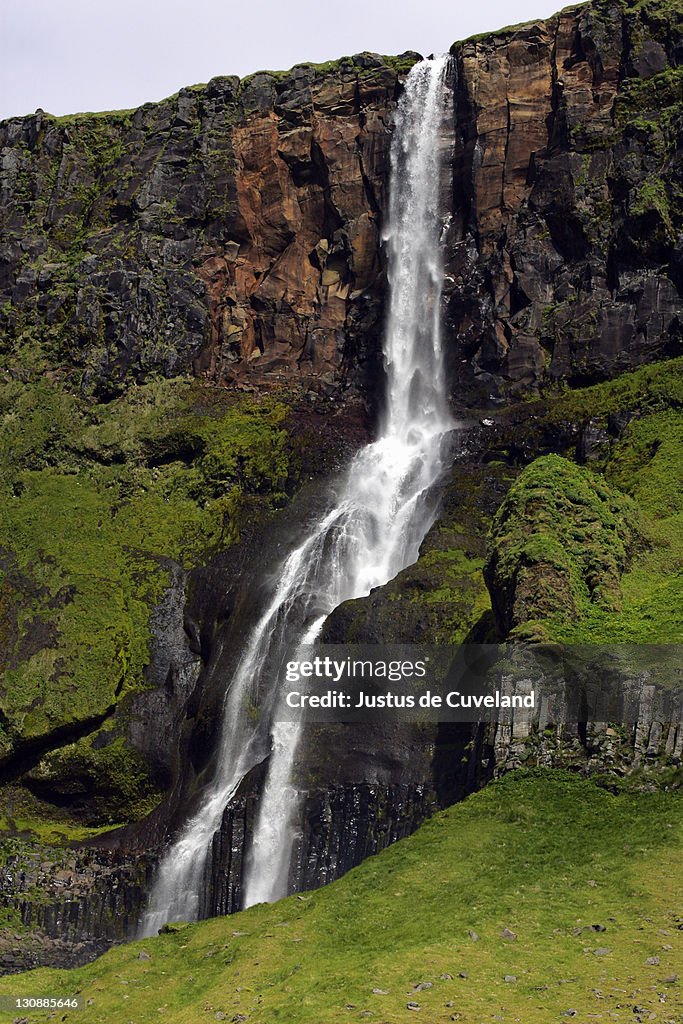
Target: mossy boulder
559,542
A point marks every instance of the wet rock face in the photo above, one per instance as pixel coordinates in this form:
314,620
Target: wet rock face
356,800
235,229
172,676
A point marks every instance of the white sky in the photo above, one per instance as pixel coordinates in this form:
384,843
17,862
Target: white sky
73,55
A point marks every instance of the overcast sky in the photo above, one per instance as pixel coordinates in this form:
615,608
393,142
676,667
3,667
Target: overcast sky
71,55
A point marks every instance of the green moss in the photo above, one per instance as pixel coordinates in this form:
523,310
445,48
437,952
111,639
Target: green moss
658,97
650,112
543,853
71,571
94,498
400,64
26,821
660,18
112,778
650,388
74,120
328,67
644,463
559,544
445,587
652,195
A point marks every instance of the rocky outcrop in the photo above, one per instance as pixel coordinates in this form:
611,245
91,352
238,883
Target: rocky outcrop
560,540
68,905
235,229
442,598
650,747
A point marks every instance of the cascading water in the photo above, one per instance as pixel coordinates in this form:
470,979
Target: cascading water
372,529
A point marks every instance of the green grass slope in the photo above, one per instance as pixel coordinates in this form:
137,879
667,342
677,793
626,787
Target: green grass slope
545,854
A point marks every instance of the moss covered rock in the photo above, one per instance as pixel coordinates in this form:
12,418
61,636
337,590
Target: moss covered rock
559,542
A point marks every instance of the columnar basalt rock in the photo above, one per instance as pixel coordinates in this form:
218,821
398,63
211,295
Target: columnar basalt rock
70,905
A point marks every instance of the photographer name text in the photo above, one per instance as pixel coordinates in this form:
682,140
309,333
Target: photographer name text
340,699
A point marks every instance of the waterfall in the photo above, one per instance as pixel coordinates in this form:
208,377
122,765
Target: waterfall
372,528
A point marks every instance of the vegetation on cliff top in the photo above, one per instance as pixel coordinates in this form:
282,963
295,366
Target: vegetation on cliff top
588,883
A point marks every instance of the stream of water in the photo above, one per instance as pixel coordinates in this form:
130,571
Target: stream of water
377,516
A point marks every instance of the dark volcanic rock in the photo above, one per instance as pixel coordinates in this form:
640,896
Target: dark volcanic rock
564,260
232,224
235,229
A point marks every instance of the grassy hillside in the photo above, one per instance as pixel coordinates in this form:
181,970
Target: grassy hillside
590,883
94,499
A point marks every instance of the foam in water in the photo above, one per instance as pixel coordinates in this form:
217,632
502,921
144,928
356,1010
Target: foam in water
373,526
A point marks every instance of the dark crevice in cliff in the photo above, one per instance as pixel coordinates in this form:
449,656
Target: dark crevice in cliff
555,98
625,62
333,220
368,187
506,150
29,754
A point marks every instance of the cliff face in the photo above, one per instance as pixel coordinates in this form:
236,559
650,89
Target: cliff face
567,206
235,228
234,223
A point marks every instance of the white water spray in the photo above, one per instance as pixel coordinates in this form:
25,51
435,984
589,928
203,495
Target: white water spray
373,528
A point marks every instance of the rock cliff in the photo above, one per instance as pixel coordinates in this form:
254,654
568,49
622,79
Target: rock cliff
232,224
567,207
235,229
